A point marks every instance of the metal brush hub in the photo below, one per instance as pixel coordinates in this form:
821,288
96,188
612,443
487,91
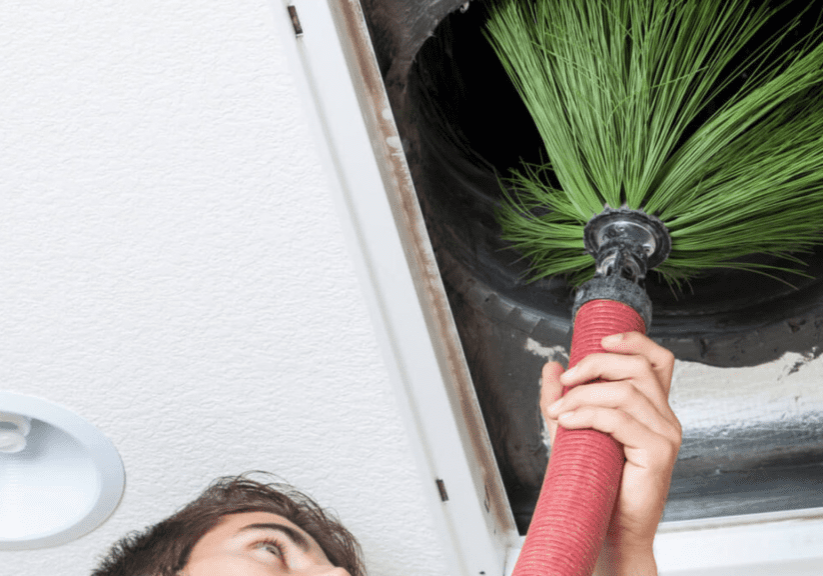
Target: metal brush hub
626,242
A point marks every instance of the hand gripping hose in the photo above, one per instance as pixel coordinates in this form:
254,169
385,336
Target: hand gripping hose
580,487
581,483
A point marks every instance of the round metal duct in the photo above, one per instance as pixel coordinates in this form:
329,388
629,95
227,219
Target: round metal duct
463,125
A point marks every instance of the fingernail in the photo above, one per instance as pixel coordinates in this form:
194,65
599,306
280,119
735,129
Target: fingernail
565,416
568,375
611,340
554,408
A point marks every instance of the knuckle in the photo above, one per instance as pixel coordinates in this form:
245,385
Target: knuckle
640,363
619,421
672,440
546,400
612,420
678,433
670,450
642,368
624,393
587,363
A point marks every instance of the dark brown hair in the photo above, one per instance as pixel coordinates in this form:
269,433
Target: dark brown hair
164,548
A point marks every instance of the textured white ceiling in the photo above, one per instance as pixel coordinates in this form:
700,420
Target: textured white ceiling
174,271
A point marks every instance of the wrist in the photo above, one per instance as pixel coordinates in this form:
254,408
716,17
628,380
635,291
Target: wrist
635,560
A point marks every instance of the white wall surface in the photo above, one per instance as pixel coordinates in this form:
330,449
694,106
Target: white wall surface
173,269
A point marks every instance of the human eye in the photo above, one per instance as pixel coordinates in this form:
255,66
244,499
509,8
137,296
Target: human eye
276,547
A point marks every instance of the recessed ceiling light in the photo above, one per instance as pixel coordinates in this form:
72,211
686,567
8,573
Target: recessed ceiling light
61,478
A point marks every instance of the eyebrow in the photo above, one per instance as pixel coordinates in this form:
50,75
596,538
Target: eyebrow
291,533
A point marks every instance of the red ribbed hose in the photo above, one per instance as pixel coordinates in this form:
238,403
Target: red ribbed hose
578,494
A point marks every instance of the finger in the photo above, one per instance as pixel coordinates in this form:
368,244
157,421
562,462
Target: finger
550,390
661,359
620,396
643,447
618,367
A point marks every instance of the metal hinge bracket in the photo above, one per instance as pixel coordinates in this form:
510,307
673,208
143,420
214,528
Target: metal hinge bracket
441,487
295,21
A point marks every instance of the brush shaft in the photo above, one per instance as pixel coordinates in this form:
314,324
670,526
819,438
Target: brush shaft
581,484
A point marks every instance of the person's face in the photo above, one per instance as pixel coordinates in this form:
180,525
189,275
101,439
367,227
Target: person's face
258,544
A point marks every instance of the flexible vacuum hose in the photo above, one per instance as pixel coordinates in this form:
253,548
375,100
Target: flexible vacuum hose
580,487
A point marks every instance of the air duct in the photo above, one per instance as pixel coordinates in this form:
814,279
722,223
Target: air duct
462,126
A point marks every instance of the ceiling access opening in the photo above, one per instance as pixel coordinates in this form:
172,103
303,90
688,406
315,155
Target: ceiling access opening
463,125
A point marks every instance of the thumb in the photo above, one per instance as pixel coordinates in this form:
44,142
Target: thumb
550,391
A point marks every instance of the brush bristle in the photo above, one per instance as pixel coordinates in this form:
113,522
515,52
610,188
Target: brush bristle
621,90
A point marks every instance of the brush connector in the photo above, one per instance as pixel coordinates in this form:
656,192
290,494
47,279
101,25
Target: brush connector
625,244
